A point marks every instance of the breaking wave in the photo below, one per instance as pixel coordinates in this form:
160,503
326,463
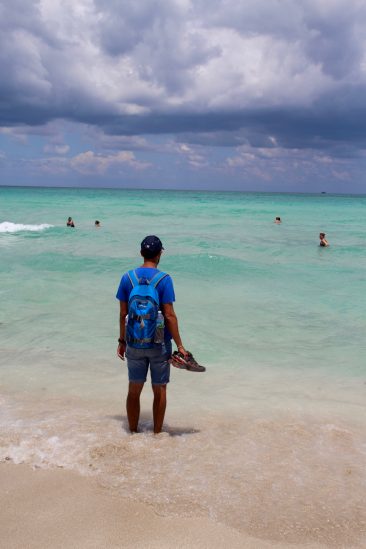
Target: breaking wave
9,227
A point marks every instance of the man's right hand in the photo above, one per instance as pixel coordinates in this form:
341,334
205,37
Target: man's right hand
121,349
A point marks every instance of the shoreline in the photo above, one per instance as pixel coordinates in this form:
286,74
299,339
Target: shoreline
42,508
286,480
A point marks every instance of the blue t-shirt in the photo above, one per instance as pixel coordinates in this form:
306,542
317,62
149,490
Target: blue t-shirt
165,288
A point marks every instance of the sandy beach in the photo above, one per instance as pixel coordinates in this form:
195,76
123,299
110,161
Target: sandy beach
57,508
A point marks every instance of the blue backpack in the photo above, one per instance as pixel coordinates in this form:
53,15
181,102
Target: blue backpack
143,307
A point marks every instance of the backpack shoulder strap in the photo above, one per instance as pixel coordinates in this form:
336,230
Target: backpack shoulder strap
157,278
133,278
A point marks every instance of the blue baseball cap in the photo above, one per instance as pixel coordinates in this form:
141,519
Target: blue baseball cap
152,244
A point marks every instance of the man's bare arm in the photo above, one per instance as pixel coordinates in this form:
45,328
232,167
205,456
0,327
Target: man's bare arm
171,322
121,349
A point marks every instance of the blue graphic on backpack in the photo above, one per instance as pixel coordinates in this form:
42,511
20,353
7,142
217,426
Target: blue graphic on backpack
143,307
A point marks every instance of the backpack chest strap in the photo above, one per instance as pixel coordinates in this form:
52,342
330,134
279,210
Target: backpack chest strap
139,317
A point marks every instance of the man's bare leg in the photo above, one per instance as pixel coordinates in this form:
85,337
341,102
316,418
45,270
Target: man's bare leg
133,405
159,406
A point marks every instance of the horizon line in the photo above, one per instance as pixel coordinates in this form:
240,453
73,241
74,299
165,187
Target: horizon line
326,193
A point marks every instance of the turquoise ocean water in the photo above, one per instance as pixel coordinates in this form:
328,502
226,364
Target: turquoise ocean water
279,322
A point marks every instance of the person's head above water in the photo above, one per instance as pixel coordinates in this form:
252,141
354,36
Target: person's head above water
277,220
97,223
151,247
323,240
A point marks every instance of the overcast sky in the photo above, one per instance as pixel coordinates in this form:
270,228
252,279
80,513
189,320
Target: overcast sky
265,95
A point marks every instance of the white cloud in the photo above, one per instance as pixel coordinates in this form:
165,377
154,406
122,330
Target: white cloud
89,163
292,164
193,155
86,163
56,149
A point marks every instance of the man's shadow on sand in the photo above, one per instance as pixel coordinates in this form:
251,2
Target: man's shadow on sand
146,426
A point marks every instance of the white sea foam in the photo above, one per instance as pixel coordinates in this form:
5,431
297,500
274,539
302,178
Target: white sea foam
9,227
289,475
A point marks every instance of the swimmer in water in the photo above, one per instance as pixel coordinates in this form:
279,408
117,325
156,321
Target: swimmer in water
277,220
69,222
97,224
323,241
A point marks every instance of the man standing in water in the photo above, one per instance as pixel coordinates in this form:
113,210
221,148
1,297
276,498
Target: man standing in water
155,355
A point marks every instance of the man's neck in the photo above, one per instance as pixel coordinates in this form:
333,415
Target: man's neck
150,264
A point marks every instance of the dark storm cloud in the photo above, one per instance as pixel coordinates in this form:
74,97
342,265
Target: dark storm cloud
260,73
336,41
319,127
123,26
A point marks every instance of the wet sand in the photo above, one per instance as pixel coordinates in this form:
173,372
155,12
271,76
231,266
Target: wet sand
61,509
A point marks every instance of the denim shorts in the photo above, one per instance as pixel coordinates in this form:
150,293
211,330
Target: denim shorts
139,360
